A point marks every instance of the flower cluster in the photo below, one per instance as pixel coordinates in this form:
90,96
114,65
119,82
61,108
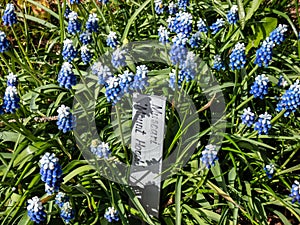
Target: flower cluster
112,40
237,57
158,6
183,23
11,99
102,71
118,58
215,27
263,125
9,16
66,121
92,24
74,2
295,192
172,8
4,44
74,26
179,49
270,170
111,214
183,4
232,15
86,54
277,35
66,77
100,149
195,40
69,52
163,35
202,26
218,64
140,81
282,82
67,213
209,155
86,37
36,210
260,86
248,117
290,100
51,173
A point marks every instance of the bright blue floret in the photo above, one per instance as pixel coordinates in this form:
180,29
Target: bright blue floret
232,16
11,100
172,8
215,27
113,90
74,26
126,81
237,57
270,170
209,155
218,64
102,72
112,40
4,44
67,213
277,35
111,214
51,173
183,4
195,40
118,58
183,23
9,16
248,117
295,192
260,86
86,37
92,24
66,77
290,100
202,26
163,35
36,210
66,121
179,49
100,149
264,53
159,7
86,54
263,125
140,79
69,52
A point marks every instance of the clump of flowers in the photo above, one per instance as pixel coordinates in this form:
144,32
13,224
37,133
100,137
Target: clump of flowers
202,26
74,26
66,121
111,214
218,64
118,58
67,213
215,27
290,100
102,71
260,86
237,57
36,210
248,117
163,35
183,23
195,40
270,170
9,17
86,54
295,192
159,7
209,155
4,44
69,52
263,125
66,77
100,149
92,24
11,99
232,15
86,37
112,40
51,173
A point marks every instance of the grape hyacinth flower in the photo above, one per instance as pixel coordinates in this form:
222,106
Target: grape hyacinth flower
172,8
113,90
295,192
103,1
66,77
260,86
61,198
248,117
218,64
269,169
67,213
264,53
69,52
111,214
232,15
202,26
4,44
86,37
67,12
163,35
263,125
100,149
86,54
51,173
183,23
237,57
215,27
178,50
12,80
112,40
66,121
183,4
118,58
209,155
92,24
140,79
195,40
126,81
103,72
36,210
74,2
9,17
290,100
159,7
11,100
277,35
282,82
74,26
171,21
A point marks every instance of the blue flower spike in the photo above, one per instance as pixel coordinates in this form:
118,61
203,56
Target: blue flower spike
92,24
102,72
66,121
237,57
260,86
74,26
217,26
163,35
66,77
248,117
295,192
9,17
4,44
263,125
100,149
232,15
218,64
209,156
111,214
36,210
270,170
112,40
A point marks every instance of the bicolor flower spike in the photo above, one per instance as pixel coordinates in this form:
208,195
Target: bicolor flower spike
9,17
270,170
92,24
100,149
260,86
102,71
111,214
66,121
69,52
248,117
237,57
295,192
74,26
232,15
66,77
209,155
36,210
263,125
